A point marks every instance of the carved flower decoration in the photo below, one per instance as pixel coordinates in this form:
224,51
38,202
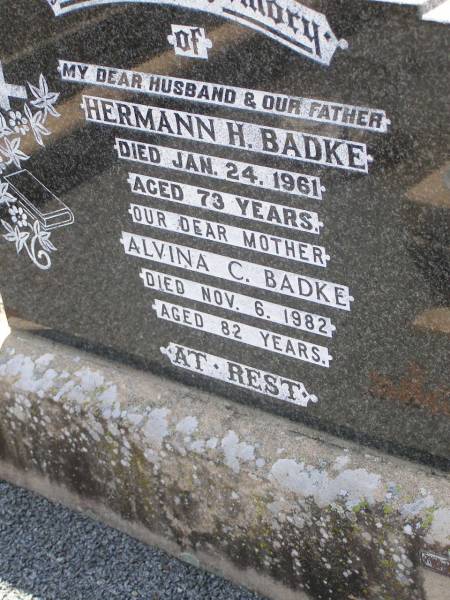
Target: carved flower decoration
18,216
19,228
18,122
27,239
43,99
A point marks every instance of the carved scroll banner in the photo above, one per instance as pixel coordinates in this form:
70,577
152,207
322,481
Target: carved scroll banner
301,29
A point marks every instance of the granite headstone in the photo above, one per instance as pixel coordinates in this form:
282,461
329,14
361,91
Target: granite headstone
250,196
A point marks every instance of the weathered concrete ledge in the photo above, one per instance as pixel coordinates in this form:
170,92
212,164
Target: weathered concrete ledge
285,510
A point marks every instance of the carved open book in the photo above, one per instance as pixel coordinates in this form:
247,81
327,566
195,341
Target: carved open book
38,201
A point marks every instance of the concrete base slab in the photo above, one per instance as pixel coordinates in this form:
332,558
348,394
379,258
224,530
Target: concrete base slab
275,506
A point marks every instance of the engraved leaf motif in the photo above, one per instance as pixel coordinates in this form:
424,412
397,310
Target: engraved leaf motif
5,196
43,99
12,152
46,243
10,236
21,238
36,122
4,129
43,237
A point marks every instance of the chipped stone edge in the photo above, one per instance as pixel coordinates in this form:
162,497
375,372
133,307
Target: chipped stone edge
224,485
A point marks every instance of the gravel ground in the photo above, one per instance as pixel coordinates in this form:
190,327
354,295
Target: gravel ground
48,552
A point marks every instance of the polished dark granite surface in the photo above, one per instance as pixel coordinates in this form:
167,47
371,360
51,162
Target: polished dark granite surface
67,265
